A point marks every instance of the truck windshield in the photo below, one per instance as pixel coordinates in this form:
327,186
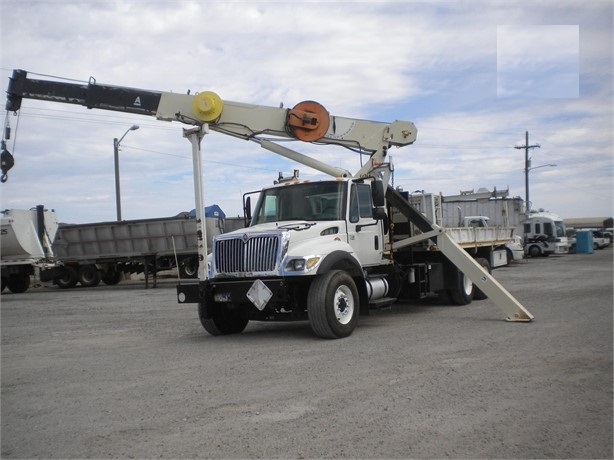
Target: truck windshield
560,228
306,201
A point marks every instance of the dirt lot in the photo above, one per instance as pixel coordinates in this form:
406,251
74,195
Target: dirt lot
127,372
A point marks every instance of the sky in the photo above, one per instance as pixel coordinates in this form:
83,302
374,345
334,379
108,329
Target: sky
474,77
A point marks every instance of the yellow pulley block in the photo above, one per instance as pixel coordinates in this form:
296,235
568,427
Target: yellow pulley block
207,106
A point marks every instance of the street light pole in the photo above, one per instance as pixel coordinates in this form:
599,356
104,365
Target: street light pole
118,204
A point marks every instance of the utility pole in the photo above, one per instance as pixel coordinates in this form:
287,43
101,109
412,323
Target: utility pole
527,168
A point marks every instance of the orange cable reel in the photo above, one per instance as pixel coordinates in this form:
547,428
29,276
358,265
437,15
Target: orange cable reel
308,121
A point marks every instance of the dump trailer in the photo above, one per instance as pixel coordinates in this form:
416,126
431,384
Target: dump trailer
25,245
317,251
106,251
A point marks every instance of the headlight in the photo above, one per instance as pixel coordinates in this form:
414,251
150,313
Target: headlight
299,265
296,265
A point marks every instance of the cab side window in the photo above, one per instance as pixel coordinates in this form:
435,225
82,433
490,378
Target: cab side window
360,202
364,201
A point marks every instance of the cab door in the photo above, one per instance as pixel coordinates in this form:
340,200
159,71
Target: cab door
364,232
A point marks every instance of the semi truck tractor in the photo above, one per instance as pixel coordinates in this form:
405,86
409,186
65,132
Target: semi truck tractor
319,251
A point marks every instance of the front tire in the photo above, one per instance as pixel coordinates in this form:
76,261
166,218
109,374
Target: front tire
534,251
332,305
223,321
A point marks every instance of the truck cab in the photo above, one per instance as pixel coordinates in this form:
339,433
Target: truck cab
544,234
307,243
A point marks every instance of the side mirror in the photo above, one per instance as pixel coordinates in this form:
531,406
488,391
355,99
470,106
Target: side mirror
247,210
379,213
378,194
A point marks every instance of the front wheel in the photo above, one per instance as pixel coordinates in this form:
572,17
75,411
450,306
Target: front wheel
332,305
223,321
534,251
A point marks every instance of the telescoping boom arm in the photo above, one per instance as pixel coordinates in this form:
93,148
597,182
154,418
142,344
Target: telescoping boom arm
307,121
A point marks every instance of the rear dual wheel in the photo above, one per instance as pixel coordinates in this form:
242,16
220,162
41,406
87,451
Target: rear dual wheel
467,290
477,293
462,295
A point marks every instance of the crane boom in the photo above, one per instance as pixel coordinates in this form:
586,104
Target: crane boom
308,121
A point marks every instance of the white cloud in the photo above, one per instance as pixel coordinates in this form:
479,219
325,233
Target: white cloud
538,61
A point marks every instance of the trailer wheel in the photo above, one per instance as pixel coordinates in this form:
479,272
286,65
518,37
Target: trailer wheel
111,277
223,321
477,293
332,305
68,279
19,283
464,294
89,275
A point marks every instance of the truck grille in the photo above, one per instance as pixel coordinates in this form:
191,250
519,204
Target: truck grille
255,254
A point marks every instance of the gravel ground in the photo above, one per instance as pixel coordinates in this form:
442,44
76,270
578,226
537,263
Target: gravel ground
125,372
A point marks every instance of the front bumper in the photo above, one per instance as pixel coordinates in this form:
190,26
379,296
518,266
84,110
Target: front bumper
233,291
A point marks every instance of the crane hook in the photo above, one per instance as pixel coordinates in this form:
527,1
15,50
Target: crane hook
6,162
